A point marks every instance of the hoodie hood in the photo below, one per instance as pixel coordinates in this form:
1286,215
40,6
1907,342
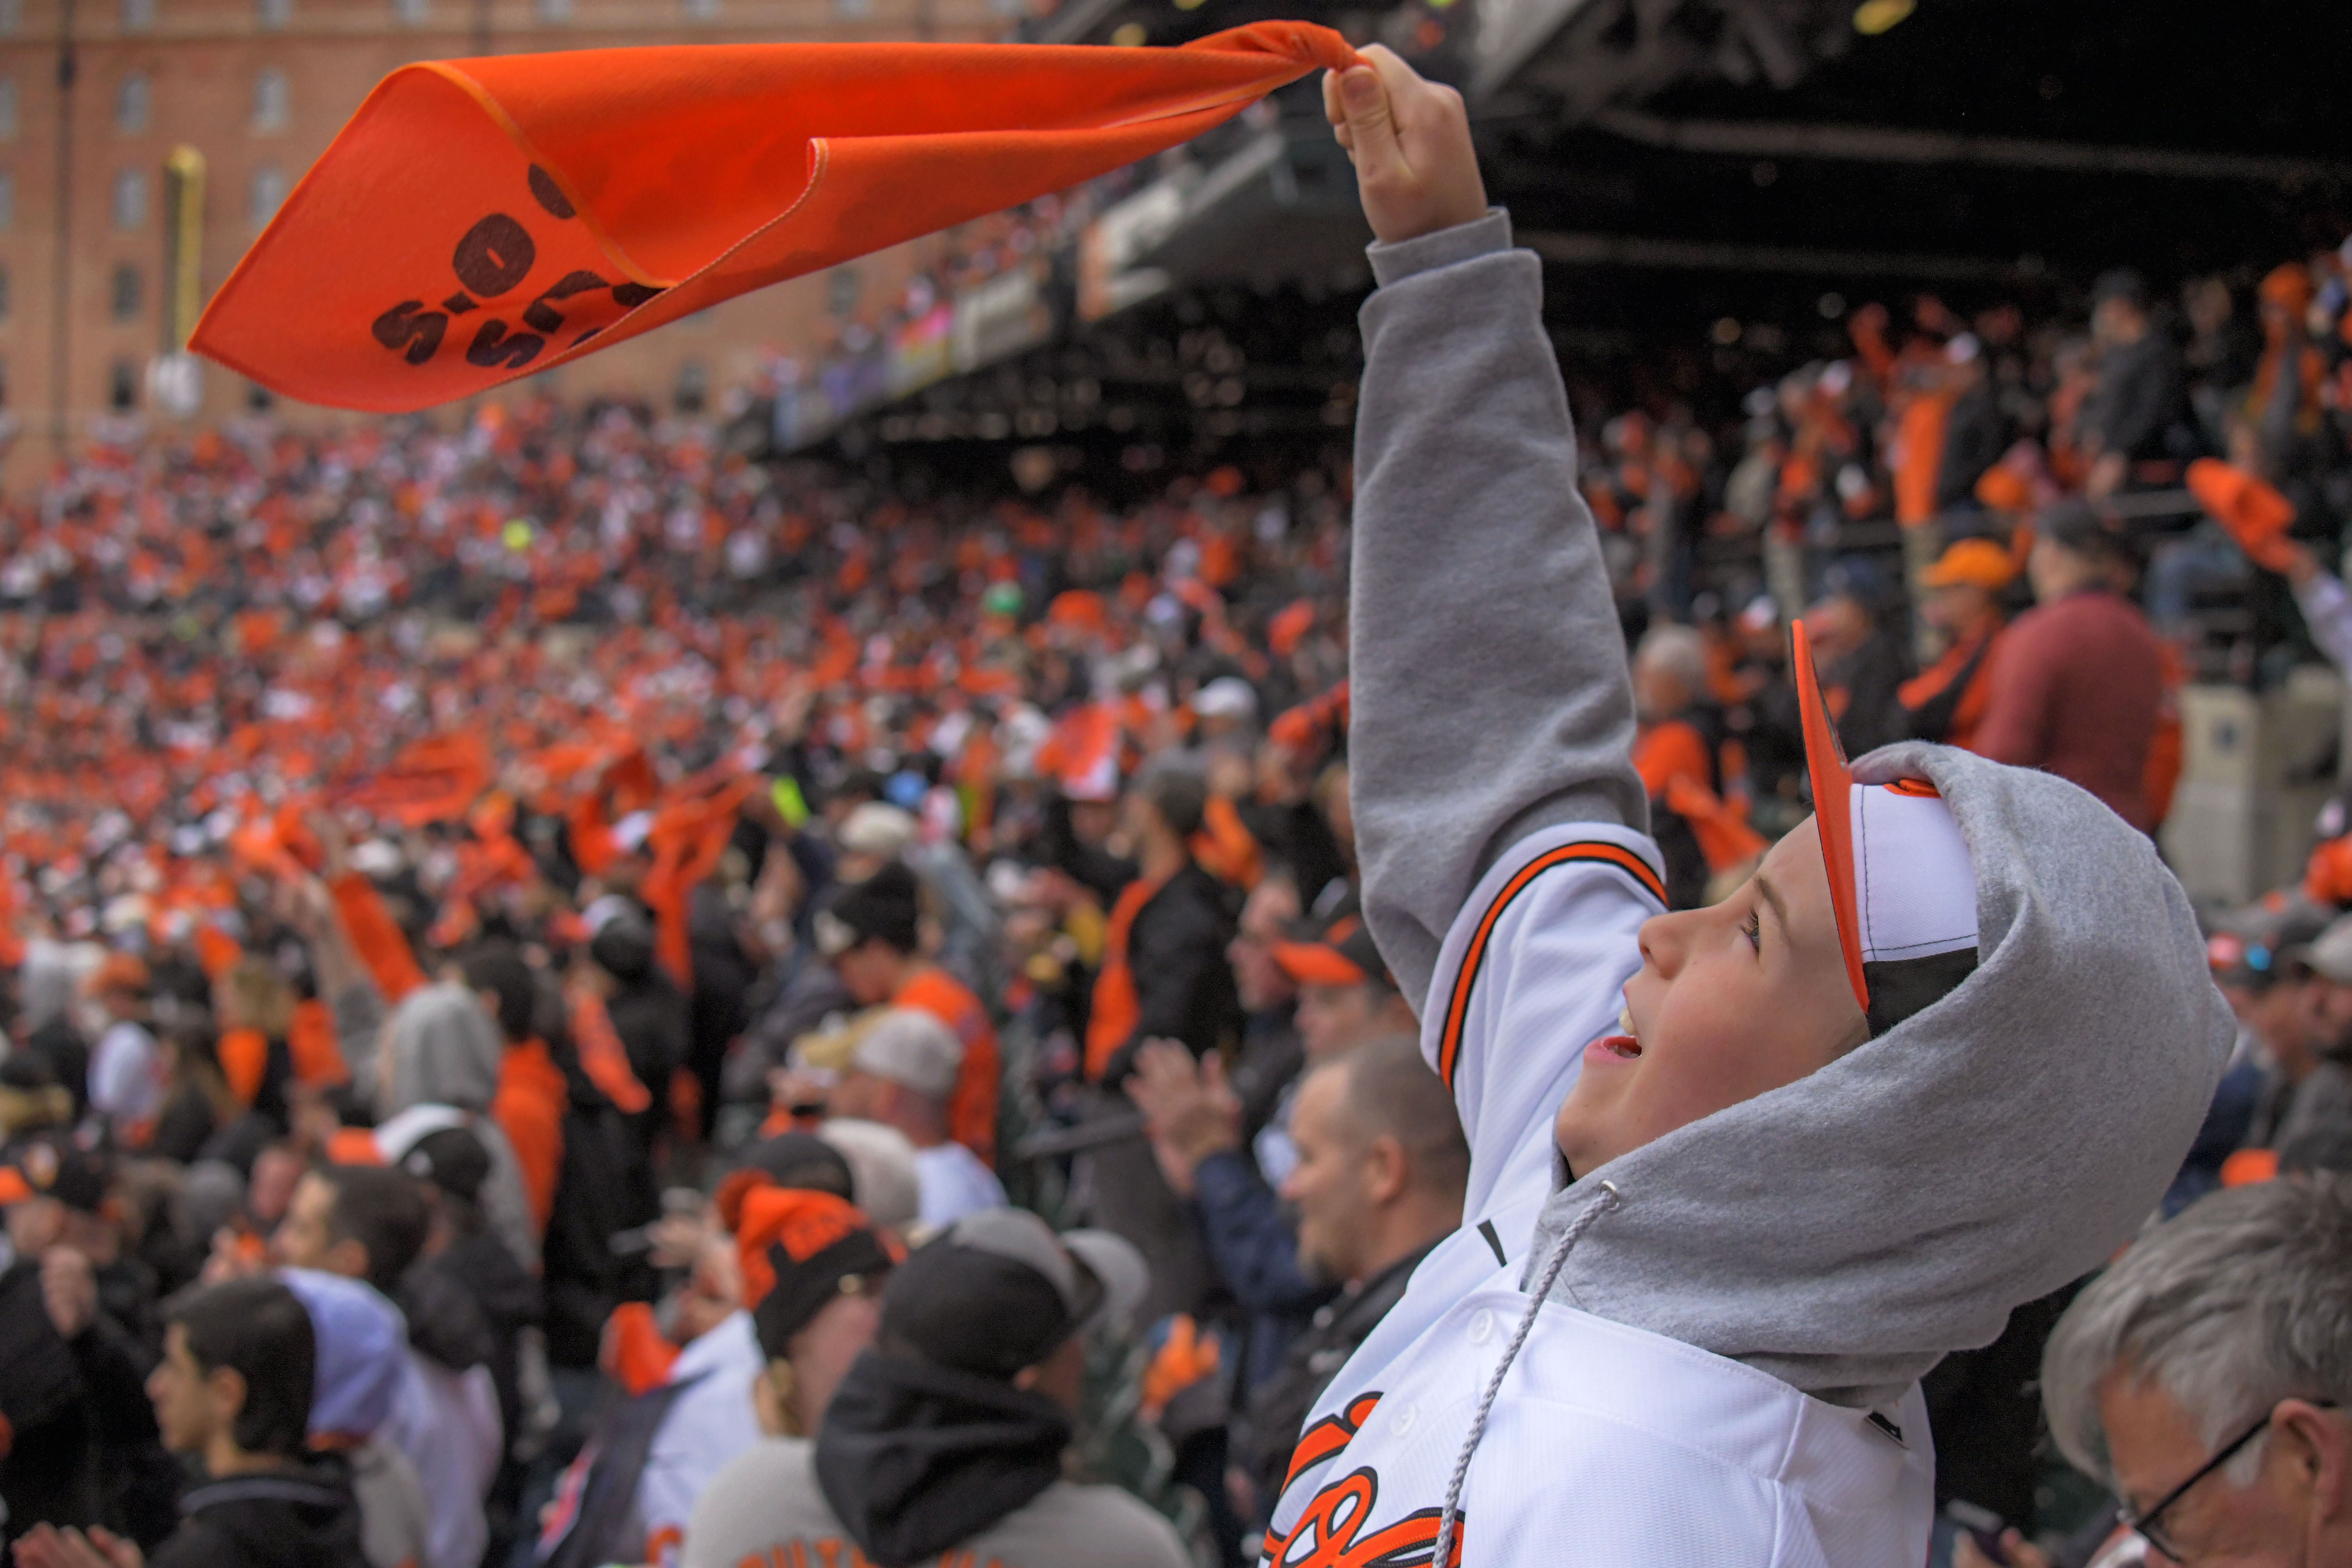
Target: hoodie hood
363,1351
444,1051
915,1458
305,1517
1846,1232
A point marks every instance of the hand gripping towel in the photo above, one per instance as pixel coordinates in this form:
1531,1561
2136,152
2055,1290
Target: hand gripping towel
483,219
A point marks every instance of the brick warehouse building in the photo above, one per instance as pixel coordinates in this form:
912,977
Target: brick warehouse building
143,144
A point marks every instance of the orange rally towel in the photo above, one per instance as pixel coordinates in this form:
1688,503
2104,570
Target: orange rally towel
375,937
483,219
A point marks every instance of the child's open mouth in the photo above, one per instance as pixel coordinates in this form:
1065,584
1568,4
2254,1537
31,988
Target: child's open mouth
1623,1045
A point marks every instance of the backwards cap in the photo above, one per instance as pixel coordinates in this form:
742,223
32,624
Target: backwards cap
998,1290
1900,879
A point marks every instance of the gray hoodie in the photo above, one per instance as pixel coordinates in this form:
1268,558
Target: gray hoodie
1844,1232
444,1051
1847,1231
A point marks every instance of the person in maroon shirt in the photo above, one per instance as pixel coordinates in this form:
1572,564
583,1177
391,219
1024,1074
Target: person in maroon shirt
2078,680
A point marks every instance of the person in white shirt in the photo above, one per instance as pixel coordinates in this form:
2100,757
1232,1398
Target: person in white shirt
902,1073
126,1070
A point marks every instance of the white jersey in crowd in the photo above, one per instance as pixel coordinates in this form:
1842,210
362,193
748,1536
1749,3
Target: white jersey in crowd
447,1424
954,1184
126,1075
1608,1447
710,1423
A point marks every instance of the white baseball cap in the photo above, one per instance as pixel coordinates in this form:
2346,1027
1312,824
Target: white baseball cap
910,1047
1901,882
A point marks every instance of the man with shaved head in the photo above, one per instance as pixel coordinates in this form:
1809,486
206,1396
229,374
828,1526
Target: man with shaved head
1381,1168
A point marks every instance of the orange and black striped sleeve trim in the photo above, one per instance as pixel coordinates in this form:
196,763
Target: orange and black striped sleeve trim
1473,957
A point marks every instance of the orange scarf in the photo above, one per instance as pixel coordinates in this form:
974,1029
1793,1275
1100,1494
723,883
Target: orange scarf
1116,1010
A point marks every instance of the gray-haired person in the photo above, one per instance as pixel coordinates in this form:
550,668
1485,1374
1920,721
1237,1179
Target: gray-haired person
2206,1378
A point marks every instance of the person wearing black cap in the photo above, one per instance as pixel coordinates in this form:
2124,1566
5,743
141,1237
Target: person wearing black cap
948,1435
2077,683
871,934
442,1149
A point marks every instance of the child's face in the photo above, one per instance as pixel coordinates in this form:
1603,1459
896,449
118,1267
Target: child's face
1731,1002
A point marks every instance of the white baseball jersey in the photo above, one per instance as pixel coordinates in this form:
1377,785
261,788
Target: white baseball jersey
1608,1446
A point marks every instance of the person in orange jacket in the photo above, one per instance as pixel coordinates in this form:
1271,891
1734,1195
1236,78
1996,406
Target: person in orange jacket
870,932
532,1093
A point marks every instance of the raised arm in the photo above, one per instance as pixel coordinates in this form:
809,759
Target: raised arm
1489,684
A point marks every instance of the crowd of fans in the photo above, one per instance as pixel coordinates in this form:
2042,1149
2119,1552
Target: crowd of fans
544,956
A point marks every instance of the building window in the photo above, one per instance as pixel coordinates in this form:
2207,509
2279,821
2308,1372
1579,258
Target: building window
702,10
410,13
551,10
121,387
11,18
269,194
129,198
7,200
851,8
272,99
7,105
123,293
273,15
138,15
3,293
130,105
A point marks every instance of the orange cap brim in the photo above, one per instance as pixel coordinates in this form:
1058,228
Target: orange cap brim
1832,792
13,1188
1314,964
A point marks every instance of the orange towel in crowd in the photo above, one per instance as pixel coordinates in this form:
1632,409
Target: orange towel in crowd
479,220
243,1061
217,952
316,1054
376,936
2256,515
436,780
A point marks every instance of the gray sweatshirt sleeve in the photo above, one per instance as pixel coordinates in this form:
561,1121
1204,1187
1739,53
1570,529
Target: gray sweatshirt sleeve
1487,668
359,1012
2327,612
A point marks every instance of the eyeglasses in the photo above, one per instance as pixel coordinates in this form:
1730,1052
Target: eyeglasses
2146,1521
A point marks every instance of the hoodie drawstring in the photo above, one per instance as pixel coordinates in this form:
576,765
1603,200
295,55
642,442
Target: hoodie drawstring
1450,1520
